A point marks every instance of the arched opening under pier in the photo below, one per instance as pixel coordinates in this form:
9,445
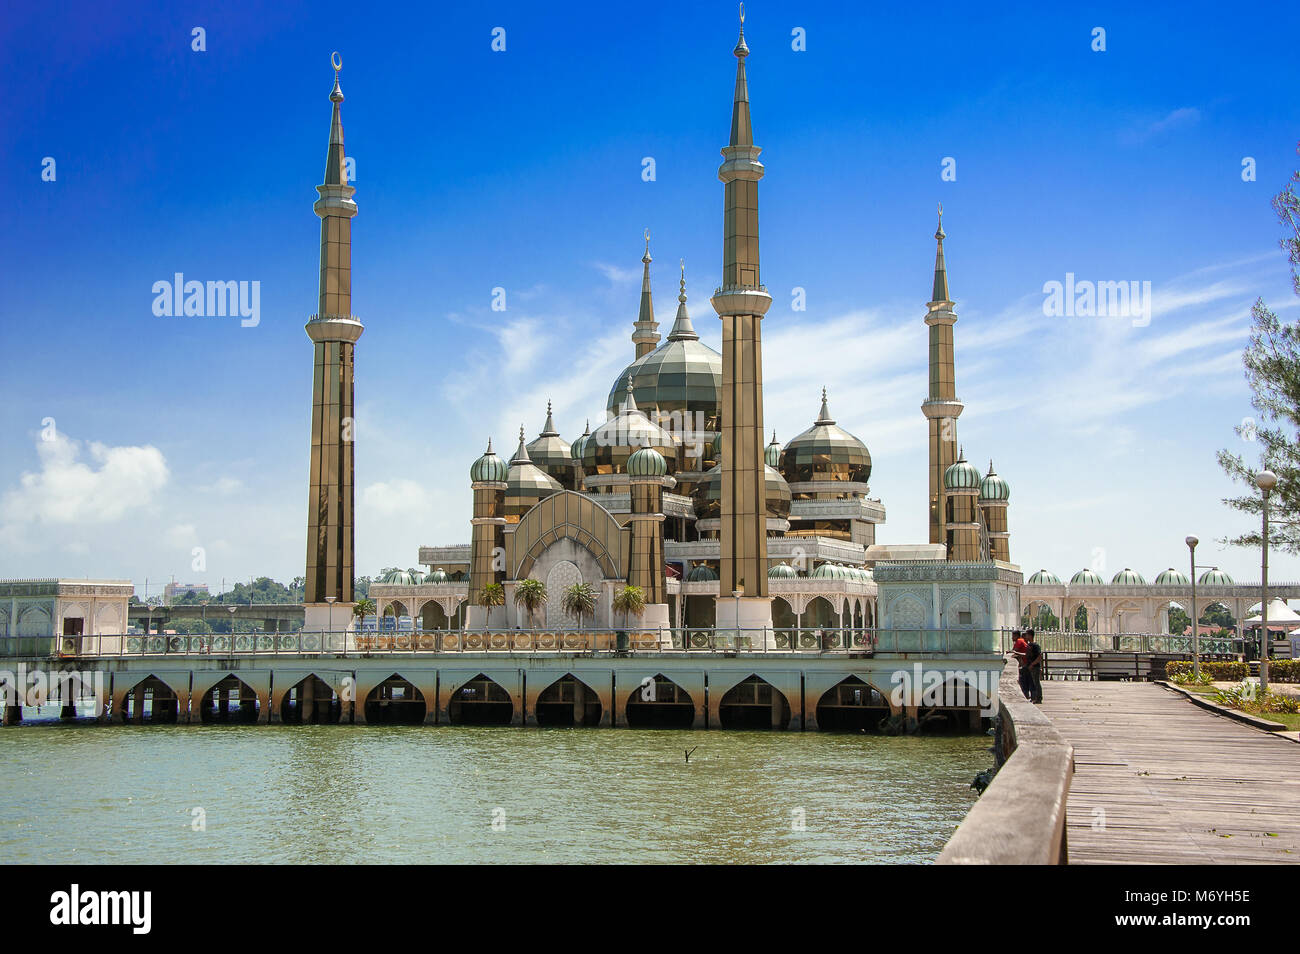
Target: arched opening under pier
754,704
230,701
568,702
480,701
954,708
311,702
395,701
151,701
852,706
660,703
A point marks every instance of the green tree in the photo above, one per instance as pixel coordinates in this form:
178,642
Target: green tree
1045,619
1272,365
364,607
630,601
492,594
531,595
579,600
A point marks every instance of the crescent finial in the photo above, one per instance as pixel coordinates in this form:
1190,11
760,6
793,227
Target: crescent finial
336,61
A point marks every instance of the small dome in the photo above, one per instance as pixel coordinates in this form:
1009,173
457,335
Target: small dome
1129,577
1042,576
961,476
400,577
1086,577
489,467
993,487
647,462
526,483
417,577
700,573
830,571
578,446
1214,577
708,494
772,455
781,571
436,576
551,452
609,448
1172,577
826,452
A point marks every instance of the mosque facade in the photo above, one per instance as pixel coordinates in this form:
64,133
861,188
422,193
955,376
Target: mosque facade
679,490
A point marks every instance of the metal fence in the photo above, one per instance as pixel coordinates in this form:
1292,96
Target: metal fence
806,640
1149,643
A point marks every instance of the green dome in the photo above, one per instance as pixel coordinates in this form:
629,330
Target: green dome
1087,578
830,571
772,455
1214,577
961,476
578,446
826,452
489,467
708,494
1042,576
436,576
993,487
400,577
1172,577
647,462
417,577
781,571
683,376
700,573
1128,577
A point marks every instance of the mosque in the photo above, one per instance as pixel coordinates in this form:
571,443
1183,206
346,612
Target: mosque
678,490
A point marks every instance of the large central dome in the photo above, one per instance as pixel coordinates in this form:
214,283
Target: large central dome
682,375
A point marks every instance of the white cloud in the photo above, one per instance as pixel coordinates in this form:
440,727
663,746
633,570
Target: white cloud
398,497
67,490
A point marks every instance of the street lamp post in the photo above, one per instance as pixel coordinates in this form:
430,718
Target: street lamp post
1266,480
736,594
1196,633
330,600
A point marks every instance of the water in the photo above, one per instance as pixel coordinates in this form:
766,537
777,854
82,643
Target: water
123,795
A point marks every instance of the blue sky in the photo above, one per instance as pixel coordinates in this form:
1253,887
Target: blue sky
522,169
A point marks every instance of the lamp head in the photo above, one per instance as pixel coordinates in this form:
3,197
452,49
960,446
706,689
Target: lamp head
1192,541
1266,480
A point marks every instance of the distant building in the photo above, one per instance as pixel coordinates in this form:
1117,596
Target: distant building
173,590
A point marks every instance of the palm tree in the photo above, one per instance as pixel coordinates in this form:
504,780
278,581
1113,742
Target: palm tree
630,601
579,600
364,607
530,594
492,594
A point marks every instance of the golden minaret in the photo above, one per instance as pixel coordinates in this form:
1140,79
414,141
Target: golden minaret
741,302
941,408
334,332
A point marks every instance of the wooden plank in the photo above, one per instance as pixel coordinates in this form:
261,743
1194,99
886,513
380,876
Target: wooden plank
1161,781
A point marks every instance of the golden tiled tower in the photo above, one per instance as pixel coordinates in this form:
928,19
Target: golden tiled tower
646,333
741,302
334,332
941,407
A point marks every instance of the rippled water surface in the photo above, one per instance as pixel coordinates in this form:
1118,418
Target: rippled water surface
117,794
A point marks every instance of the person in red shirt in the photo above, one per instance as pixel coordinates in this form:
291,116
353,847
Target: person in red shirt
1020,649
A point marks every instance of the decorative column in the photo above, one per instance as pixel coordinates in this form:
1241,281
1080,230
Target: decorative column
487,542
741,301
648,476
334,332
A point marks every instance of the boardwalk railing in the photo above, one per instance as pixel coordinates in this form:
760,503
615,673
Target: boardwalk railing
1149,643
1020,818
691,640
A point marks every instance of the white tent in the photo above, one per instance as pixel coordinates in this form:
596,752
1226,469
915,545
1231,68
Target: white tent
1278,612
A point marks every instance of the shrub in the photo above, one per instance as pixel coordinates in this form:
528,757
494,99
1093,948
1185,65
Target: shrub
1248,698
1218,671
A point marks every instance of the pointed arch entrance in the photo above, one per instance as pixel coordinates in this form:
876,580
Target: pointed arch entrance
230,701
395,701
659,703
480,701
852,706
754,703
311,701
568,702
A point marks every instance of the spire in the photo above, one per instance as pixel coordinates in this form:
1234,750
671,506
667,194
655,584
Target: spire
521,455
683,330
940,272
335,174
991,472
646,335
549,429
742,134
629,403
825,416
489,448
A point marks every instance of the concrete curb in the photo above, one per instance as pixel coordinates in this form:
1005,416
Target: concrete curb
1251,720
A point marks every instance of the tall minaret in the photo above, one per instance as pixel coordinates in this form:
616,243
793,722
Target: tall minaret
941,408
741,302
334,331
646,335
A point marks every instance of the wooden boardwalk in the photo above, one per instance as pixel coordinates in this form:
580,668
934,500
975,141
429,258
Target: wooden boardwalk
1159,780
